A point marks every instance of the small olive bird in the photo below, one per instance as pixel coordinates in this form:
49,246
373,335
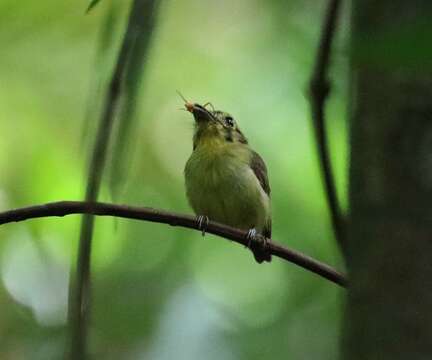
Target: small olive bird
226,181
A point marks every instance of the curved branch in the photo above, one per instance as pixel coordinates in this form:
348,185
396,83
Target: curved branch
62,208
319,89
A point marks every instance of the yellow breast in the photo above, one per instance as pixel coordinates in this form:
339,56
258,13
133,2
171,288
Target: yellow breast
221,185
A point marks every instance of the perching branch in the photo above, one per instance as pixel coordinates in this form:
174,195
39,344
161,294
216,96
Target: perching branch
63,208
319,88
80,294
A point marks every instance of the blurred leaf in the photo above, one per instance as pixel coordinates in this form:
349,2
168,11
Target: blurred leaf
35,278
112,99
123,141
103,65
92,4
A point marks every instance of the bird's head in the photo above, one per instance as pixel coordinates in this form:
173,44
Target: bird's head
214,126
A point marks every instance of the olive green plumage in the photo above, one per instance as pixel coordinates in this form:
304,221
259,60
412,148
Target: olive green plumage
225,179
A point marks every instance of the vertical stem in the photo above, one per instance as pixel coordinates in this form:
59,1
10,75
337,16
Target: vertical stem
319,89
79,304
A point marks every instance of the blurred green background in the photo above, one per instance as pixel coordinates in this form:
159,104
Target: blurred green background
161,292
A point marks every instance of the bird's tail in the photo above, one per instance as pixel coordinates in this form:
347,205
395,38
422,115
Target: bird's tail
261,255
260,251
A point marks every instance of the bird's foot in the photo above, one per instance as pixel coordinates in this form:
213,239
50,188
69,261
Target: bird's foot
264,244
250,236
203,222
258,244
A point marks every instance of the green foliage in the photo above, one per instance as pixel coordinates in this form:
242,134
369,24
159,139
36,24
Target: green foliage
92,4
162,292
142,21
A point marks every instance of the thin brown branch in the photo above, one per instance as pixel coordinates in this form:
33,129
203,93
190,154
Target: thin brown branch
319,88
80,288
63,208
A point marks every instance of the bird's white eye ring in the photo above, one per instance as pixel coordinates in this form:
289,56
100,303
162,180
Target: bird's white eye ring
229,121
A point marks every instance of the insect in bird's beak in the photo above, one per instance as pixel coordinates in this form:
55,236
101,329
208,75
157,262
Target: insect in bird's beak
188,105
200,112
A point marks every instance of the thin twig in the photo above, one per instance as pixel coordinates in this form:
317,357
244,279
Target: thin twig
63,208
80,288
319,88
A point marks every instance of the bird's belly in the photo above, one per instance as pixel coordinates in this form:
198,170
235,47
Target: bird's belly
227,192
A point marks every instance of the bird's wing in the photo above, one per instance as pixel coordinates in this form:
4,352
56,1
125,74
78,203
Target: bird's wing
260,170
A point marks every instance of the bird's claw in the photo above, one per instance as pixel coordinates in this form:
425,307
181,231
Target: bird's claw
203,222
258,244
251,235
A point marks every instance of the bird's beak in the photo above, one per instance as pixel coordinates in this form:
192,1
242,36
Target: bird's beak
199,112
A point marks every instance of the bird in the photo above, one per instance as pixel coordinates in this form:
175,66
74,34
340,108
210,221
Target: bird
226,180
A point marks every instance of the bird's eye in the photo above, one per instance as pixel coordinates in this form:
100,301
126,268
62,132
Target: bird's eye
229,121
